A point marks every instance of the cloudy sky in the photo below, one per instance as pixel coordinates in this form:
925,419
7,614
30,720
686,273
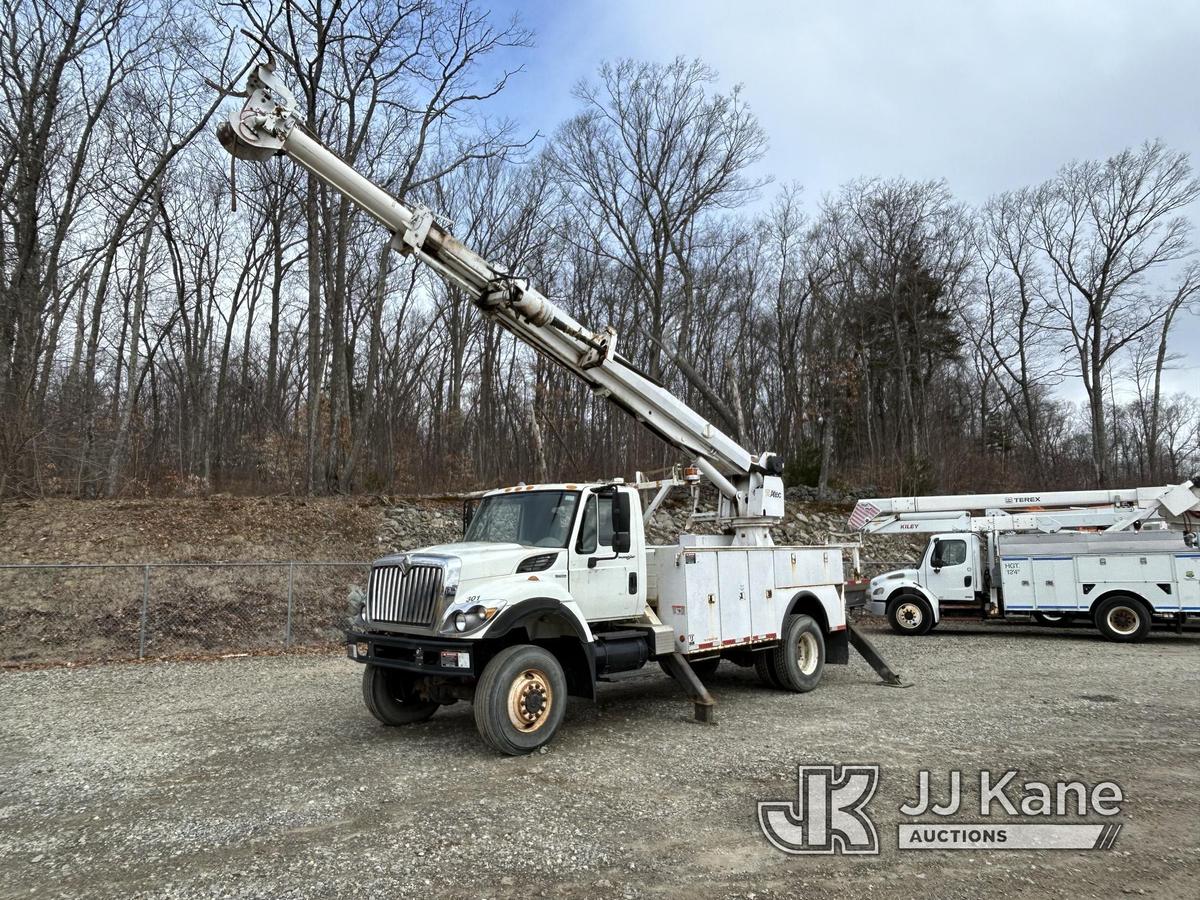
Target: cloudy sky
989,95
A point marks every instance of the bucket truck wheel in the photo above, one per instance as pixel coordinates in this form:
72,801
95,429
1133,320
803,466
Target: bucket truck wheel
1045,618
1122,619
390,698
765,668
910,614
799,659
704,668
520,699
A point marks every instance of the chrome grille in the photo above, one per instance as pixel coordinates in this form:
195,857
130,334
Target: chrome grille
404,595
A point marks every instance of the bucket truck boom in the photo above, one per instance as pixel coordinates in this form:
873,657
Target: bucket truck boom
749,484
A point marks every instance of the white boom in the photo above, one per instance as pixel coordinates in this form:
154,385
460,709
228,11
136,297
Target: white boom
1031,511
751,491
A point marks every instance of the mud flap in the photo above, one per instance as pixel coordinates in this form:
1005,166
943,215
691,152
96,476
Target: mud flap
704,707
867,651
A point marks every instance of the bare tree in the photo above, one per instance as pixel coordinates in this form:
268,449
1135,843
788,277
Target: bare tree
1107,228
654,153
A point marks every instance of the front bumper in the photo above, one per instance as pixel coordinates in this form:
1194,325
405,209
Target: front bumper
419,655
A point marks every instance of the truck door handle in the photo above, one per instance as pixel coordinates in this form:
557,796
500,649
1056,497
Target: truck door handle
633,582
967,581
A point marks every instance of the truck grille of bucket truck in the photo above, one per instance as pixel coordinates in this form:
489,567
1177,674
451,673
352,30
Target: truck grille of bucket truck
404,595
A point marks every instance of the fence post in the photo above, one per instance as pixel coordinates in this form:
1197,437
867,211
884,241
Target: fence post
145,606
287,635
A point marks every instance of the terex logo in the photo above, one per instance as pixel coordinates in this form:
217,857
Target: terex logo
828,815
1031,498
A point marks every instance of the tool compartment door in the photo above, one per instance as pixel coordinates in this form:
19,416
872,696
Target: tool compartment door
1054,585
1016,577
1187,575
733,568
803,566
764,620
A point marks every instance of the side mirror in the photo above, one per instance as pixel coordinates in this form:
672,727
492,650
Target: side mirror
621,542
621,515
468,513
935,558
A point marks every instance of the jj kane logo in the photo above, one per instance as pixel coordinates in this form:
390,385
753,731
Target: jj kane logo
830,813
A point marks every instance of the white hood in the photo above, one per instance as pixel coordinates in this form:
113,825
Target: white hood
893,576
486,560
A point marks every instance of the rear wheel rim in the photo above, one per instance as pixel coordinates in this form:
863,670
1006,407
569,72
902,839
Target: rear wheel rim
807,654
530,699
909,616
1123,620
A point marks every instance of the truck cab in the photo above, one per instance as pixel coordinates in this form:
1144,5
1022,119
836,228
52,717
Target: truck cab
947,580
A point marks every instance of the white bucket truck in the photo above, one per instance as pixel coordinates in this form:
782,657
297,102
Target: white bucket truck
1119,559
554,587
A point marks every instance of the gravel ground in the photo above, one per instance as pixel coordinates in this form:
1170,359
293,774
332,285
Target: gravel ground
266,777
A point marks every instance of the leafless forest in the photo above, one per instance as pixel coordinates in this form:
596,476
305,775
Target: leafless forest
155,340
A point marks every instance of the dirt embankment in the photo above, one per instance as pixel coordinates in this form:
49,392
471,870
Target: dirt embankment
248,529
86,614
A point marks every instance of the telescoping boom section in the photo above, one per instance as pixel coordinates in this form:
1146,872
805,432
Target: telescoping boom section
1175,505
749,484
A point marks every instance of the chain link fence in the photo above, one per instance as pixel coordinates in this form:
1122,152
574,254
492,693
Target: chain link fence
85,612
63,612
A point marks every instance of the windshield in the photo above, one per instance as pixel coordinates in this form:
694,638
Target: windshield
536,519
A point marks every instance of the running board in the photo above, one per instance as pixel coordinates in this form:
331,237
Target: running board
867,651
704,707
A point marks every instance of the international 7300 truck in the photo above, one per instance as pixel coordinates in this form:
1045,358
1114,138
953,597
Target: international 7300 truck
554,587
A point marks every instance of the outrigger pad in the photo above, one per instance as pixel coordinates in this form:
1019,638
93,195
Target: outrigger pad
704,707
867,651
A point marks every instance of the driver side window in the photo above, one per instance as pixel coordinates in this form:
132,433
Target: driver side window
588,527
596,527
953,553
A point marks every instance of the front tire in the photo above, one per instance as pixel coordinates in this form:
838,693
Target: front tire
910,615
1122,619
799,660
520,699
390,697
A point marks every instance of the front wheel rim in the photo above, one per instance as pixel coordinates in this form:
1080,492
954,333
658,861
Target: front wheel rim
807,654
530,699
1123,620
909,616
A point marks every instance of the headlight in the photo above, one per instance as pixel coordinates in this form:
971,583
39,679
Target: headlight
470,619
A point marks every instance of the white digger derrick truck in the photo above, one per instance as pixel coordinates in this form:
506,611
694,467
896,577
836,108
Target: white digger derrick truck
554,587
1121,559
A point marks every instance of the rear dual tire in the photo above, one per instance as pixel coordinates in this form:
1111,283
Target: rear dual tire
798,662
1122,619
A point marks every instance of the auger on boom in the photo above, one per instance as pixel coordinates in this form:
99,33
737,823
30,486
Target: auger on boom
554,587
